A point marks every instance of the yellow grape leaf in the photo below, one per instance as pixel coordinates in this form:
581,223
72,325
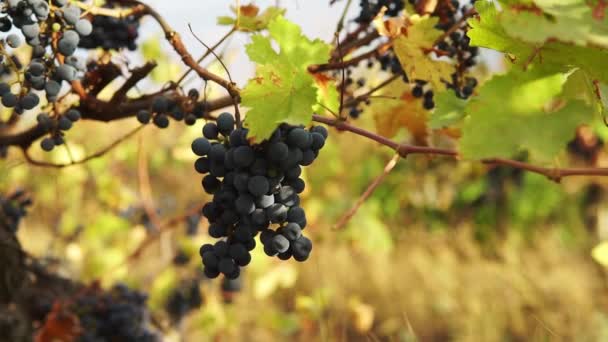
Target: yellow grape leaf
396,109
412,49
392,27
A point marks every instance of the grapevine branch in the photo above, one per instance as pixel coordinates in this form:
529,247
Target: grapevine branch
554,174
97,154
163,228
368,192
137,75
178,45
145,189
99,110
363,97
336,64
377,52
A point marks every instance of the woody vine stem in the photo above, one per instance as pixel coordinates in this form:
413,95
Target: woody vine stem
120,107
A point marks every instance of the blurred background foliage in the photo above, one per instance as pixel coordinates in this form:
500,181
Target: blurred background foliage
442,250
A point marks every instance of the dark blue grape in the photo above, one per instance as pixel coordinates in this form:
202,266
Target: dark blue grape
258,185
201,146
210,130
144,116
225,123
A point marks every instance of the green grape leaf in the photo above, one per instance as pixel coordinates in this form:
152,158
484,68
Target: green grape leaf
166,68
547,37
487,31
151,49
449,110
592,60
522,111
581,87
603,101
277,95
283,91
249,19
570,21
412,48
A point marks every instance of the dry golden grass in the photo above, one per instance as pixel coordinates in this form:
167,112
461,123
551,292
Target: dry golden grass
434,287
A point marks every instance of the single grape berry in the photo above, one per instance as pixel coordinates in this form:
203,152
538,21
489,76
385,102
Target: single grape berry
301,248
47,144
161,121
258,185
73,115
13,40
64,123
225,123
299,137
201,146
9,100
292,231
278,152
210,130
280,243
144,116
243,156
83,27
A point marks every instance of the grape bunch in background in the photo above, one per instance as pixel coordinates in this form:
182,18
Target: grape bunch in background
110,33
119,314
455,45
13,207
38,24
54,30
184,108
255,191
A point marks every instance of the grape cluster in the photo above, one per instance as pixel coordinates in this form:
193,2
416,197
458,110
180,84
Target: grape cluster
110,33
38,22
183,299
55,126
119,314
457,46
255,188
164,108
370,8
421,89
28,16
13,208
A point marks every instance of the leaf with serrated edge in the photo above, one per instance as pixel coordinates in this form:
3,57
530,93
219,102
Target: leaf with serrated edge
275,96
283,90
500,124
487,31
